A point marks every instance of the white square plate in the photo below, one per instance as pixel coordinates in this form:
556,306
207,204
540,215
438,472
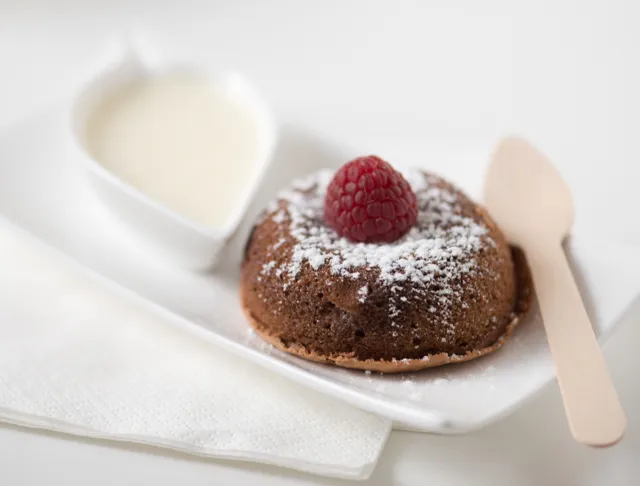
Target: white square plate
43,191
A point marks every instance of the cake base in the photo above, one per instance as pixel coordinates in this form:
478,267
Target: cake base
346,360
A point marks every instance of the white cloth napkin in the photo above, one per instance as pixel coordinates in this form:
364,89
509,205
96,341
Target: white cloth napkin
76,359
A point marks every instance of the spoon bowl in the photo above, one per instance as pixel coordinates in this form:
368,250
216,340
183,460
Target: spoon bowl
525,192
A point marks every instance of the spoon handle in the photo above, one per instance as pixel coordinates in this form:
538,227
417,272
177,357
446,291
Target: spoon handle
595,415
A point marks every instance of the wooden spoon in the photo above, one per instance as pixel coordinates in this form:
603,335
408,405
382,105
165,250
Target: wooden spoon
531,203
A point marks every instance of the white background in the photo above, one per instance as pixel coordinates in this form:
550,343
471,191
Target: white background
396,78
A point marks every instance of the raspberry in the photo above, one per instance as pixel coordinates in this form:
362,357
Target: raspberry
369,201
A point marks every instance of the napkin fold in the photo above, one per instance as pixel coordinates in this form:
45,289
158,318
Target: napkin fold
76,359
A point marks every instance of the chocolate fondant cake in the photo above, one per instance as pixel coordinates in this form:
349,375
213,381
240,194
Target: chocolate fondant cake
451,289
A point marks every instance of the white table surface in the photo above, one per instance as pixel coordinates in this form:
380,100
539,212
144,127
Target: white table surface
393,78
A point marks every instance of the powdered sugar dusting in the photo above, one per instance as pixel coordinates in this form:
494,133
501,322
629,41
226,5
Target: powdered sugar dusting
362,294
279,217
431,256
